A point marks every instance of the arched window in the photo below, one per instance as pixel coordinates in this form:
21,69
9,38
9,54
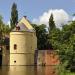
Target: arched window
15,46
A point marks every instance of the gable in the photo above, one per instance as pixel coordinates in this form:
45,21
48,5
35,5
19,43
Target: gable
26,23
22,27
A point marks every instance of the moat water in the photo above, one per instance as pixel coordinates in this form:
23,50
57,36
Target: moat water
27,70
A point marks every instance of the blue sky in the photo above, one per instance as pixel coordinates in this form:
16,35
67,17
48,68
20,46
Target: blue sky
35,8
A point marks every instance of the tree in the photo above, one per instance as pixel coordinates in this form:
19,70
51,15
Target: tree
4,30
54,38
52,29
42,36
1,29
51,23
14,16
64,41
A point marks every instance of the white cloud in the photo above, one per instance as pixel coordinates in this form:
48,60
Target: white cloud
60,17
8,23
73,18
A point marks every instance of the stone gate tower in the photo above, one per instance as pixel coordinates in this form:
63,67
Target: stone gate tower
23,43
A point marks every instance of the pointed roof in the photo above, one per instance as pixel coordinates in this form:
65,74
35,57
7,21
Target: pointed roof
24,25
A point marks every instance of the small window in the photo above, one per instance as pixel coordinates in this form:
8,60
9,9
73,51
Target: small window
15,46
15,61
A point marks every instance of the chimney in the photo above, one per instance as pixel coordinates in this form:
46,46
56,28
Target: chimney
25,17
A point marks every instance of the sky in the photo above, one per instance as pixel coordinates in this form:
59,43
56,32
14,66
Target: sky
38,11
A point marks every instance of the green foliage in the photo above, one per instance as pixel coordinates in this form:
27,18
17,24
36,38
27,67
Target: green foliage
51,23
61,70
42,36
64,41
1,27
54,38
4,30
14,15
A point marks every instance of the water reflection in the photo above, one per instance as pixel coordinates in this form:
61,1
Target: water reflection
21,70
27,70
